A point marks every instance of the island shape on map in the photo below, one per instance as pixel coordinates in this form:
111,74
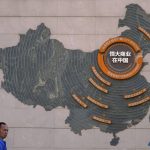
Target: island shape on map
40,71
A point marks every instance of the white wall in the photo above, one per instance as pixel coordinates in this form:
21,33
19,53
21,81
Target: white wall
83,24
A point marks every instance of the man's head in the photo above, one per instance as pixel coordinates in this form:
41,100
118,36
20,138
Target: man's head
3,130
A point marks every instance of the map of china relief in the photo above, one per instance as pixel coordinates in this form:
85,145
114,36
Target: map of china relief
103,88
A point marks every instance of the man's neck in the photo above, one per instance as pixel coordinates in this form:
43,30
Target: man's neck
1,139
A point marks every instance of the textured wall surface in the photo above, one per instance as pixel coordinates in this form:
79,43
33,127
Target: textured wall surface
78,24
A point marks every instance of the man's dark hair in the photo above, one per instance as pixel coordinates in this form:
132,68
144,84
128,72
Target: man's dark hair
2,123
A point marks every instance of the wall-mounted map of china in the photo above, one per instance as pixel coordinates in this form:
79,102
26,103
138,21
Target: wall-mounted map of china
103,88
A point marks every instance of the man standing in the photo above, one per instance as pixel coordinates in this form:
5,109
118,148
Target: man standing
3,135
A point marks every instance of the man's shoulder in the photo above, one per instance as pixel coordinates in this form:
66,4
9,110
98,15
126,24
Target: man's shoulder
2,145
1,141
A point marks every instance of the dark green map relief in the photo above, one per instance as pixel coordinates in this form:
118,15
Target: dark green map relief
40,71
